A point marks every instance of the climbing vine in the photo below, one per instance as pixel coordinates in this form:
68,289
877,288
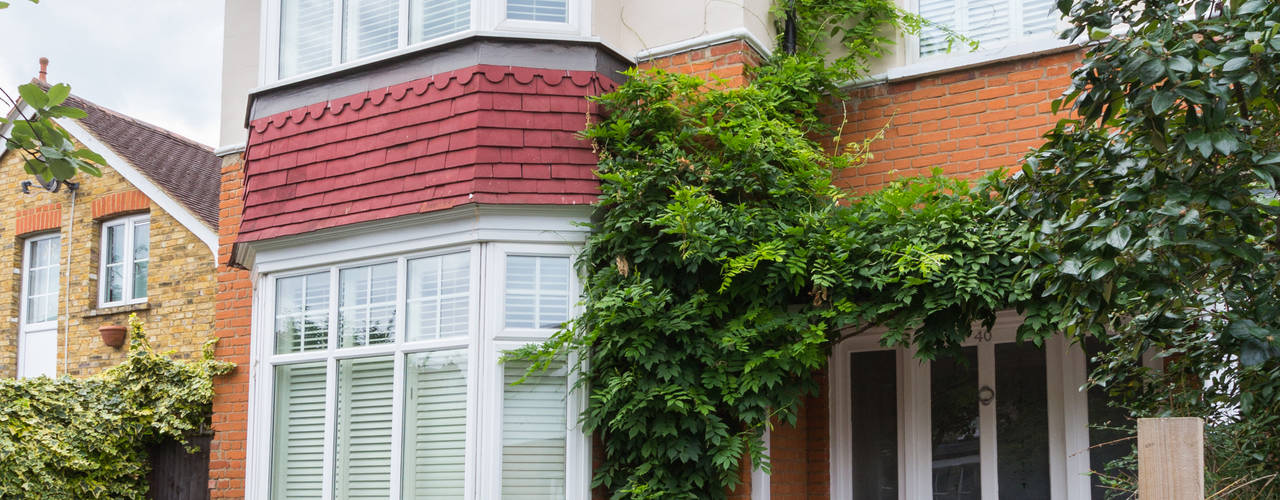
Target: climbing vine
725,261
69,438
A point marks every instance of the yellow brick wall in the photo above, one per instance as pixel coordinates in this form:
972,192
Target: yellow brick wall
181,280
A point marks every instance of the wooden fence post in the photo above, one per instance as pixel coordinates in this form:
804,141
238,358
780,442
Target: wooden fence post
1171,458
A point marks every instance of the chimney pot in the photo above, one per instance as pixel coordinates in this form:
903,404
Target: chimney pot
44,70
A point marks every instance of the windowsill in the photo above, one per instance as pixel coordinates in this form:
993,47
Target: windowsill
943,63
120,309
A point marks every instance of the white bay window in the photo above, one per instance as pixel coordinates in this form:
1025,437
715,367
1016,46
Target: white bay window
385,379
309,36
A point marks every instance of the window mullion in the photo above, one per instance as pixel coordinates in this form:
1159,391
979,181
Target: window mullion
339,25
334,305
397,425
987,423
404,24
330,427
1015,19
126,261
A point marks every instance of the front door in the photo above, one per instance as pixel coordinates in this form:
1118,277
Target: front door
38,327
1002,420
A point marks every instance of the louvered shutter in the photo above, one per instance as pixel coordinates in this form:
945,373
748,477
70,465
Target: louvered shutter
537,291
942,12
437,18
534,431
1039,17
552,11
439,297
988,20
302,313
367,305
363,446
372,27
306,36
297,450
435,425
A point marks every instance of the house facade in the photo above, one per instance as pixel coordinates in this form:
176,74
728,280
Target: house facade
401,196
140,240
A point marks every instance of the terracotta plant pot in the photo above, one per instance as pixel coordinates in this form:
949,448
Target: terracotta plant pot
112,335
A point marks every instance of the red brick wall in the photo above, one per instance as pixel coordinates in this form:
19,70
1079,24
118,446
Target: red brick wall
967,123
727,61
120,203
41,218
231,325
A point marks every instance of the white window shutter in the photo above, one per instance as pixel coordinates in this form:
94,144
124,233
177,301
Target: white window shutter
437,18
372,27
537,291
306,36
941,12
363,446
551,11
435,425
302,313
1039,17
297,451
534,432
439,297
988,20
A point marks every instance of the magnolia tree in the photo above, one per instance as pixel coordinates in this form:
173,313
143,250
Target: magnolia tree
47,149
1151,219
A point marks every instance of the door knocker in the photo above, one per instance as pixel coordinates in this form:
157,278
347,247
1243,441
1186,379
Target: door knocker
986,395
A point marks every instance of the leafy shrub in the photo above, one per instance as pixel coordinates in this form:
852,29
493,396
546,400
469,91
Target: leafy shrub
69,438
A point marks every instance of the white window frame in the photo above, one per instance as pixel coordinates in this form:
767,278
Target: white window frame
1067,412
488,17
489,238
1016,46
127,290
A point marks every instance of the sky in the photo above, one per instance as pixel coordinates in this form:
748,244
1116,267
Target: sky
155,60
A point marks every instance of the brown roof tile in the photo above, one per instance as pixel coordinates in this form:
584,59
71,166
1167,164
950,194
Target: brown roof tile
187,170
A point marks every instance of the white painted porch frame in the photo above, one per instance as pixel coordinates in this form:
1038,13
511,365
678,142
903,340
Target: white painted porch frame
490,234
1067,412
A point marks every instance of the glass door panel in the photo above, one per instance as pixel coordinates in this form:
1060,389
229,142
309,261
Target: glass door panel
874,393
956,447
1022,422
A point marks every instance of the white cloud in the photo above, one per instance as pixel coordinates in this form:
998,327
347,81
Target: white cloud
155,60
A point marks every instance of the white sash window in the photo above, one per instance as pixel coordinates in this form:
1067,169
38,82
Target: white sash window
995,24
125,255
306,37
384,379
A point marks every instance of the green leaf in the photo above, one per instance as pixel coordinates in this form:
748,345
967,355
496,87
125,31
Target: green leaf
1163,101
1180,64
1198,140
58,93
68,112
33,95
1225,142
1119,236
1235,63
1152,70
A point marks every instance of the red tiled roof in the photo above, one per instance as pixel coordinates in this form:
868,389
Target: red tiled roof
187,170
483,134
